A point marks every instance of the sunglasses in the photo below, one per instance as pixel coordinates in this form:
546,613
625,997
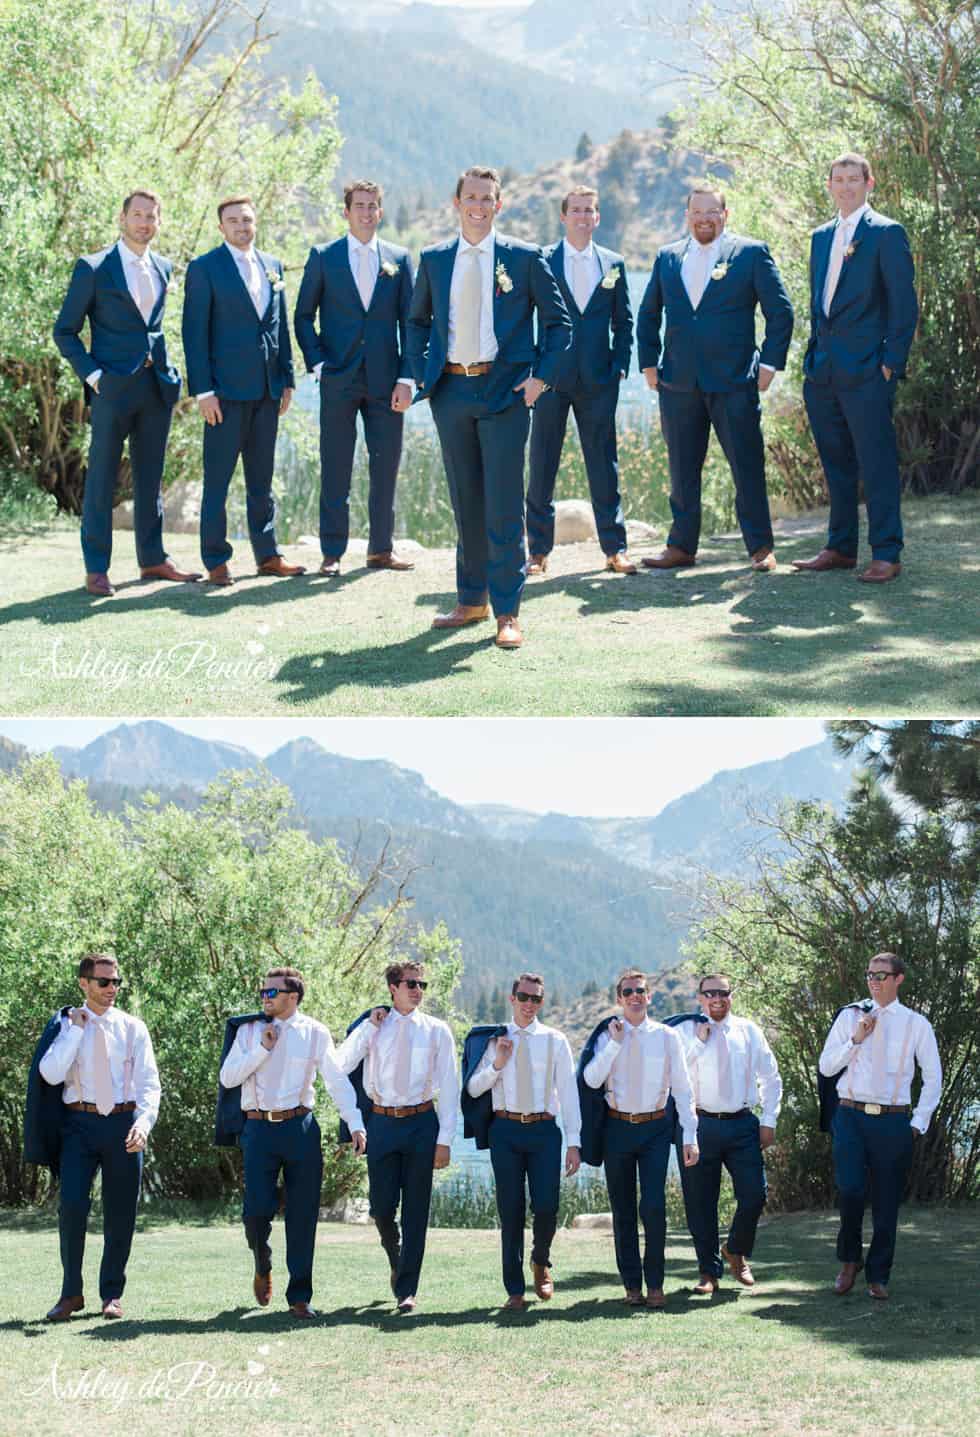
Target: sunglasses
273,992
107,982
879,977
529,997
628,992
716,992
422,983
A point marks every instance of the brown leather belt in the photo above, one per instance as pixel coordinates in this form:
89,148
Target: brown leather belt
874,1109
272,1116
403,1112
92,1108
524,1117
472,371
637,1117
703,1113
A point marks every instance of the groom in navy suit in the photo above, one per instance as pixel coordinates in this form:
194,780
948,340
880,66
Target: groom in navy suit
129,382
472,350
863,313
708,371
240,370
359,288
592,281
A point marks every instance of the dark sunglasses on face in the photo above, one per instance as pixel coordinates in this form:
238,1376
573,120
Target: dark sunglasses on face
106,982
422,983
878,977
529,997
628,992
716,992
272,992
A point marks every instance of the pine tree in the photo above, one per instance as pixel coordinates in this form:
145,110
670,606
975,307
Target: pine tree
584,147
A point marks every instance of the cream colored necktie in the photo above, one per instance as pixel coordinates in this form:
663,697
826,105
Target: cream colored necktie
253,282
840,243
468,307
724,1059
105,1098
580,281
147,293
698,274
365,276
634,1072
879,1053
524,1075
403,1062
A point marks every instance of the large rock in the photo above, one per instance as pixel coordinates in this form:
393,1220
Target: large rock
597,1221
574,522
181,509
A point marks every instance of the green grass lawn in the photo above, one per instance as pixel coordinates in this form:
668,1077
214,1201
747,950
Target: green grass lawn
786,1357
715,639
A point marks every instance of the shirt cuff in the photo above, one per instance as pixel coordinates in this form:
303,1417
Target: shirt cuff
769,1120
405,379
771,367
205,394
689,1137
573,1139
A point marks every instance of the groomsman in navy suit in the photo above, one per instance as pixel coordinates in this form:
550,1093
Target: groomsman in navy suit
129,382
240,371
592,281
863,313
472,350
359,289
708,372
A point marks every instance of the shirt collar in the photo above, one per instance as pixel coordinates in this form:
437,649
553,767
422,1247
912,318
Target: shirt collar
485,246
105,1017
853,219
354,244
573,254
726,1022
129,257
534,1026
405,1017
239,254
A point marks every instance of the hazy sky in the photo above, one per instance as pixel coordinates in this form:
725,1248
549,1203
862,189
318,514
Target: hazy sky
580,766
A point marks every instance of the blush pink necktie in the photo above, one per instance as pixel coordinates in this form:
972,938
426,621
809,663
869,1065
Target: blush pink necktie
105,1098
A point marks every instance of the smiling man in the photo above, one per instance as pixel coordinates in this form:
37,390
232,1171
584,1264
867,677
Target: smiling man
708,371
592,281
110,1100
529,1073
473,351
731,1066
863,313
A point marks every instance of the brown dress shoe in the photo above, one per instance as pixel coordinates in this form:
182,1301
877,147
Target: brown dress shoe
826,559
705,1285
537,564
543,1284
878,1290
407,1304
99,585
461,615
112,1308
845,1278
655,1298
262,1287
389,561
509,634
222,576
278,567
763,561
515,1303
330,568
621,563
670,558
64,1308
302,1310
740,1268
167,570
634,1297
880,571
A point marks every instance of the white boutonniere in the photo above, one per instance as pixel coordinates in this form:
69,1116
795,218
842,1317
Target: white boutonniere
172,286
610,279
389,268
276,280
504,282
720,270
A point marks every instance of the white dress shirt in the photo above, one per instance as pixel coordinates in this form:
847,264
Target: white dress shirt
432,1065
553,1083
71,1060
661,1068
585,263
306,1047
909,1039
133,268
753,1075
488,339
842,236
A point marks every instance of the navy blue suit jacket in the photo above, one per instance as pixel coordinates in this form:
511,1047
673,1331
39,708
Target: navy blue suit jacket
713,347
229,1120
364,1103
120,338
533,287
477,1112
44,1110
874,310
347,333
602,337
228,348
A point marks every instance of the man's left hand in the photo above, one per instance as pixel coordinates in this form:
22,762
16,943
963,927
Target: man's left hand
573,1160
441,1159
765,379
533,390
358,1142
401,398
691,1155
767,1136
286,400
135,1139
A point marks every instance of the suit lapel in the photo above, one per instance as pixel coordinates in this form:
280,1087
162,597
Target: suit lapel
676,262
557,262
235,277
268,268
382,261
341,259
161,274
861,235
114,264
603,270
821,264
442,279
